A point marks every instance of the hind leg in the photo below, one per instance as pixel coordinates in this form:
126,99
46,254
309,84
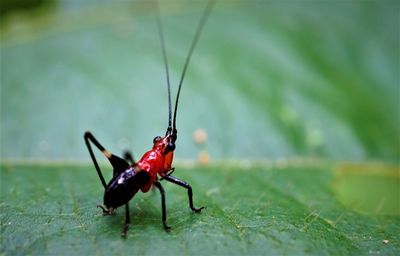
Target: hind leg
129,157
90,138
118,163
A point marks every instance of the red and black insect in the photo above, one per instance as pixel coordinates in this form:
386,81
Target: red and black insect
130,176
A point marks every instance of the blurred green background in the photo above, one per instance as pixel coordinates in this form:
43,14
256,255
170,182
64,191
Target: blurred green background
289,92
267,80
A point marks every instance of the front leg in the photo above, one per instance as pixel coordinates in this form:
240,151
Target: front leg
169,172
188,187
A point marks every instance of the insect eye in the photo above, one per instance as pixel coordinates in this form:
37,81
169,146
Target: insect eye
157,138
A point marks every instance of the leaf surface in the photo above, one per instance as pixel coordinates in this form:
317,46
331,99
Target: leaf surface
294,209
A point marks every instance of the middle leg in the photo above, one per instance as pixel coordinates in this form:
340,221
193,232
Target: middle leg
164,211
124,231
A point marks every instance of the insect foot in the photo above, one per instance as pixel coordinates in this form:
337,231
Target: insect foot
106,211
124,231
198,210
166,227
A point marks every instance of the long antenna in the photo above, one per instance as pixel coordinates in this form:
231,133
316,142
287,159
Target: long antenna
192,46
161,35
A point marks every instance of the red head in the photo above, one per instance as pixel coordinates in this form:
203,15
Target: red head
166,146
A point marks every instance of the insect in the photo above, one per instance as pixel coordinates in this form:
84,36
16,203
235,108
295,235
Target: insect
155,165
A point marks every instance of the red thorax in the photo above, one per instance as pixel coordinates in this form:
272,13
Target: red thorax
156,161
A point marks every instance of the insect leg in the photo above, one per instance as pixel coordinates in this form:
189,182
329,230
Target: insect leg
118,163
170,171
188,187
129,157
164,211
90,138
127,221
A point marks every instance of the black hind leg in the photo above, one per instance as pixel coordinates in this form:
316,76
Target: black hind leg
118,164
90,138
129,157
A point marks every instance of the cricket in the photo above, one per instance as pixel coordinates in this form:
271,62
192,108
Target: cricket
130,176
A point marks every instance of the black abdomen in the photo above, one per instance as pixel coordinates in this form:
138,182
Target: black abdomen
124,186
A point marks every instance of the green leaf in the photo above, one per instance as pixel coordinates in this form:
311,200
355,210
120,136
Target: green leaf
50,209
272,81
370,189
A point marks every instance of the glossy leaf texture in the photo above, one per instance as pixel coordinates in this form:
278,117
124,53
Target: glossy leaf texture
287,92
277,208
